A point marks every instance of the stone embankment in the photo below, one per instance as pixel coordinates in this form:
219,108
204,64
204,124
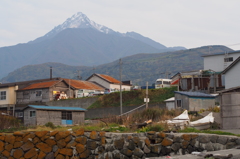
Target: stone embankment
102,145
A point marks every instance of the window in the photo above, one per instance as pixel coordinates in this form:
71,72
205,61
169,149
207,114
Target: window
32,113
66,115
166,82
38,93
19,114
179,103
3,95
228,59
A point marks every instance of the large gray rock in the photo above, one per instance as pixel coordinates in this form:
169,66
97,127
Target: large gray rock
213,138
218,146
138,152
146,149
230,145
126,152
177,139
209,147
222,140
176,146
116,154
203,139
131,145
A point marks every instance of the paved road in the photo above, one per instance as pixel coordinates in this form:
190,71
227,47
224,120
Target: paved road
234,152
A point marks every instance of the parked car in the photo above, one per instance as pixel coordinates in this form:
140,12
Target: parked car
90,94
108,91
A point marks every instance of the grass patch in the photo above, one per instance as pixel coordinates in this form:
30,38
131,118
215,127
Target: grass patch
135,97
193,130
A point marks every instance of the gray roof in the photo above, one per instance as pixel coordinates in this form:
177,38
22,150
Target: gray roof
195,94
223,53
57,108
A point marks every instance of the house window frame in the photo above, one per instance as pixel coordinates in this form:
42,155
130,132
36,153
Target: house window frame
38,93
179,102
3,95
31,114
228,59
66,115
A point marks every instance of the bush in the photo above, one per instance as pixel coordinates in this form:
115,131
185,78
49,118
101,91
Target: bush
50,125
8,122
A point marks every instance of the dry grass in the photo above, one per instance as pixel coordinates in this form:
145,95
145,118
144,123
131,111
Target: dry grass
7,122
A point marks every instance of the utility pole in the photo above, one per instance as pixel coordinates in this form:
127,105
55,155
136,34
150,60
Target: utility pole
147,95
78,76
120,73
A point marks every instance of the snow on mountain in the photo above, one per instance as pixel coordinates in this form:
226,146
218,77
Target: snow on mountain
79,20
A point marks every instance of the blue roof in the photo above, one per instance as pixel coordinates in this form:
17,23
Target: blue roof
56,108
195,94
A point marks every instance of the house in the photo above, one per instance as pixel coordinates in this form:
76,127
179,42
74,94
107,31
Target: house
108,82
219,62
193,101
83,88
232,74
206,81
8,93
170,103
230,108
40,115
44,92
7,97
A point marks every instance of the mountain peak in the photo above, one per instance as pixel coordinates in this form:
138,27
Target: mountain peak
78,20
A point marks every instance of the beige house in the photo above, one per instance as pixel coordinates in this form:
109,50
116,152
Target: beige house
7,96
108,82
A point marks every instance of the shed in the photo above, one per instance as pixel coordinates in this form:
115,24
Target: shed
193,101
230,108
40,115
170,103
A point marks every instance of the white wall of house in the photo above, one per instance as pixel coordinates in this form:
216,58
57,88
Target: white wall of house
232,76
216,62
117,86
10,96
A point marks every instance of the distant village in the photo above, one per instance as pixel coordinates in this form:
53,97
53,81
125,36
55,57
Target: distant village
216,84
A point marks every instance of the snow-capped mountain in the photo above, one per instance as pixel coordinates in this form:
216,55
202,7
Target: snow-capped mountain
79,20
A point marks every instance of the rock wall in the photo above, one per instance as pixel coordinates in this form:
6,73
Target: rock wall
102,145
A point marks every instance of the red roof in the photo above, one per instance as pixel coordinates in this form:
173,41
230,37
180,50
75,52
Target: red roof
109,78
82,84
41,85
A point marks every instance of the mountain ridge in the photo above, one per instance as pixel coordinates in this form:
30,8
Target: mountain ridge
139,68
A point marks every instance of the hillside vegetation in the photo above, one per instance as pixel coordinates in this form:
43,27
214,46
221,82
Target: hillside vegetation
138,68
135,97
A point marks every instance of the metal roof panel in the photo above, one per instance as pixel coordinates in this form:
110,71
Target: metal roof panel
57,108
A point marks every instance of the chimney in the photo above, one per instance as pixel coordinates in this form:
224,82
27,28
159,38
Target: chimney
51,72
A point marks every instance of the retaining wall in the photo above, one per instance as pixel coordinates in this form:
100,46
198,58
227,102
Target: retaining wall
81,102
101,145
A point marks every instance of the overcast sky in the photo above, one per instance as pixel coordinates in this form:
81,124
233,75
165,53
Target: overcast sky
188,23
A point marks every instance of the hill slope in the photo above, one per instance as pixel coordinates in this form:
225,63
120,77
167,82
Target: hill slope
139,68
